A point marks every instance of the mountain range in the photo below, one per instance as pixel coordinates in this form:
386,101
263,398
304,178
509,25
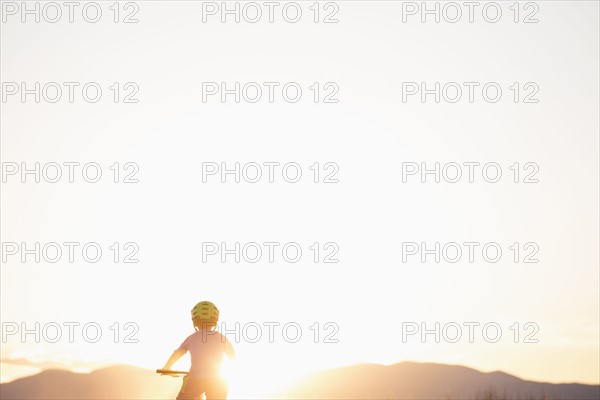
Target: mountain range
406,380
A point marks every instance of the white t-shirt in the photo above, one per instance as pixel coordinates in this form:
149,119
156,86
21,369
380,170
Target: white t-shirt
206,350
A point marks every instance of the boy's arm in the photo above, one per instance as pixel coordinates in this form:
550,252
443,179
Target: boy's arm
177,354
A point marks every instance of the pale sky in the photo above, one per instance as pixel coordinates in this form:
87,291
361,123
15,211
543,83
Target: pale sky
369,133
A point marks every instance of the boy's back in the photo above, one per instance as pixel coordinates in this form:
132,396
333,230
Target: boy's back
206,350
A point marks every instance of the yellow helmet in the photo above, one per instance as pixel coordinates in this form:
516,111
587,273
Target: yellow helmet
205,312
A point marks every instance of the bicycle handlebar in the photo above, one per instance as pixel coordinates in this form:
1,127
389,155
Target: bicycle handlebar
170,372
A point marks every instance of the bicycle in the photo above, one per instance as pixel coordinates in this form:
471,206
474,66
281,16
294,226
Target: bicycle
218,393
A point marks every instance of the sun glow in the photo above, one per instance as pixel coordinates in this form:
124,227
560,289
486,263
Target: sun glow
252,380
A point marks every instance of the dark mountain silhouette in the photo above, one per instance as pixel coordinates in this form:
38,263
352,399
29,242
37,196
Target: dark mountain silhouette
405,380
118,382
410,380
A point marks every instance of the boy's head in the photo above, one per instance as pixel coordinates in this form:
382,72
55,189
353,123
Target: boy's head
205,316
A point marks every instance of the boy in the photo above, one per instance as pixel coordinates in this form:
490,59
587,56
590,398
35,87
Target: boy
206,347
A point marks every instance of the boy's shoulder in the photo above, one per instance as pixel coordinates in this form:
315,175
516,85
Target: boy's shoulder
207,334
